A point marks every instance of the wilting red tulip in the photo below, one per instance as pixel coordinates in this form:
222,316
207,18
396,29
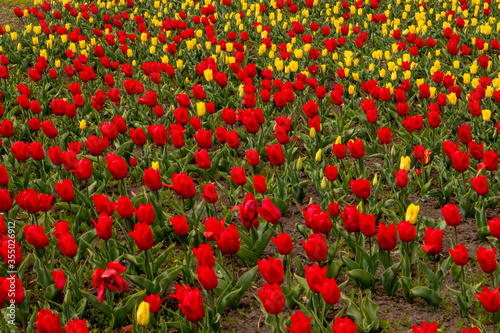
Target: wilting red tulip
356,148
425,327
154,302
117,166
183,185
47,322
204,255
180,225
190,302
299,323
272,298
76,326
35,235
459,254
344,325
124,208
451,214
271,270
109,279
480,185
209,193
275,154
207,277
433,239
143,236
406,231
152,179
490,299
316,248
104,226
65,190
269,212
486,259
360,188
229,240
238,176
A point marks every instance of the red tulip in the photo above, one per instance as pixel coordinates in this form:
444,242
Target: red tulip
460,255
229,240
272,298
204,255
330,291
35,235
350,216
259,184
65,190
209,193
300,323
238,176
20,150
367,224
356,148
269,212
315,277
94,146
406,231
387,237
202,159
203,138
486,259
360,188
154,302
124,208
316,248
401,178
180,225
344,325
425,327
117,166
271,270
83,169
207,277
284,244
331,172
433,239
67,245
10,251
384,135
76,326
104,226
451,214
152,179
252,156
47,322
480,185
190,302
490,299
102,204
460,161
494,225
490,159
143,236
109,279
183,185
275,154
59,279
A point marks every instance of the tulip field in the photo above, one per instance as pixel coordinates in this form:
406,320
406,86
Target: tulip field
249,166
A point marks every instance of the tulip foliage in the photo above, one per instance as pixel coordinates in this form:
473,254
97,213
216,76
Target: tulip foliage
166,162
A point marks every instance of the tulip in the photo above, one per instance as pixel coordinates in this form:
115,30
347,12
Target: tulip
490,159
384,135
316,248
67,245
387,237
35,235
59,279
207,277
143,236
367,224
490,299
259,184
124,208
143,314
5,200
190,302
104,226
180,225
330,291
154,302
412,213
10,251
480,185
109,279
272,298
209,193
183,185
271,270
76,326
269,212
47,322
275,154
433,239
356,148
406,231
460,161
204,255
284,244
460,255
145,213
425,327
405,163
331,172
486,259
360,188
350,217
116,166
451,214
83,169
102,204
229,240
152,179
238,176
299,323
344,325
16,293
315,277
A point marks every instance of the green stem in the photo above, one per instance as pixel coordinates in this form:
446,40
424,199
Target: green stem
148,268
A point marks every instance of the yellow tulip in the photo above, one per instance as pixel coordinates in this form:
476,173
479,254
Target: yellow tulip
200,109
452,98
412,213
155,165
143,314
323,183
338,141
405,163
299,164
317,158
486,114
83,124
375,180
208,73
312,133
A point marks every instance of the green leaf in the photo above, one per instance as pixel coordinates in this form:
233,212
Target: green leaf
430,296
44,275
143,283
126,305
232,299
389,280
163,281
103,307
362,278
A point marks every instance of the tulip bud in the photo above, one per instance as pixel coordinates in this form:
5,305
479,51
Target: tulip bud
317,158
299,164
323,184
375,180
338,141
83,124
143,314
312,133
